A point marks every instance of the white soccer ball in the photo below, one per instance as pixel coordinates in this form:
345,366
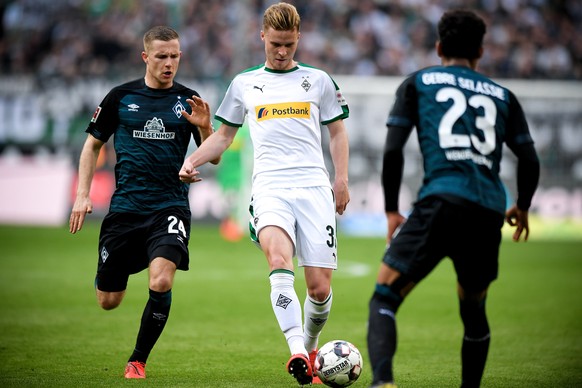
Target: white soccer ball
338,363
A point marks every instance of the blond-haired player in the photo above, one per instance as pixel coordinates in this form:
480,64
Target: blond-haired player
293,204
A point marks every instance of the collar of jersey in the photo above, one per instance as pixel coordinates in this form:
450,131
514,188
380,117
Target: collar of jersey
281,71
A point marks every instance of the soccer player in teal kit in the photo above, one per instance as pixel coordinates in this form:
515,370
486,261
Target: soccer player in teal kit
462,120
148,224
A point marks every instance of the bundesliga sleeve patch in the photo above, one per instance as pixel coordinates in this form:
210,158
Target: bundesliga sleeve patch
96,115
340,98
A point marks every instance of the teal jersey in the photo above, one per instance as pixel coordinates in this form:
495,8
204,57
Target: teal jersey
151,140
462,120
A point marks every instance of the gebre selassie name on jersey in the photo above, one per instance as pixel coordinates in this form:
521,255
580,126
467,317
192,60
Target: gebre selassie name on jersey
285,110
480,87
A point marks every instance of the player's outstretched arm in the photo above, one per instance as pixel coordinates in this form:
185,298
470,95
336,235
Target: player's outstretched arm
519,219
87,165
210,149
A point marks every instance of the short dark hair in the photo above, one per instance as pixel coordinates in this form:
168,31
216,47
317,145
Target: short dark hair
163,33
461,34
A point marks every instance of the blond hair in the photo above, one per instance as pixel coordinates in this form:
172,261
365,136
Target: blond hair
163,33
281,17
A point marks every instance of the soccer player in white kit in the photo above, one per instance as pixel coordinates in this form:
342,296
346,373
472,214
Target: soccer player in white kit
293,204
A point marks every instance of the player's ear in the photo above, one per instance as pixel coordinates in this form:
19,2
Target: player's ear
439,48
144,57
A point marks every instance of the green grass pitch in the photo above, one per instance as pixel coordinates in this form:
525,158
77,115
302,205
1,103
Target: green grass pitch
222,332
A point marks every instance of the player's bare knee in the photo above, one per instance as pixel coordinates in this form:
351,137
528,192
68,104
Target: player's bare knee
319,293
107,305
108,301
161,283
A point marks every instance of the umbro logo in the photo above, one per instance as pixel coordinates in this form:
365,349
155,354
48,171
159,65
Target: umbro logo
160,316
386,312
132,107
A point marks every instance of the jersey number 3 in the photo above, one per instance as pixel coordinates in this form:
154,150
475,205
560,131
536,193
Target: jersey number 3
485,123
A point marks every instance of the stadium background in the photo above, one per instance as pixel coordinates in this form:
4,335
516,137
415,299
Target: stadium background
59,58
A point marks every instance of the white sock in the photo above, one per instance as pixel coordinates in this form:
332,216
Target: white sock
287,309
316,314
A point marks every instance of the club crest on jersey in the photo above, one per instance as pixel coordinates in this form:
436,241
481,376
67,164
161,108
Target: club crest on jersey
154,129
178,108
305,84
285,110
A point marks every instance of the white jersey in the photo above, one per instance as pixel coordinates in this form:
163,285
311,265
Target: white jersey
284,111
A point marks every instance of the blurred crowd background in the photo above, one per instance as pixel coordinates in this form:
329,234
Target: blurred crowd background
72,39
58,59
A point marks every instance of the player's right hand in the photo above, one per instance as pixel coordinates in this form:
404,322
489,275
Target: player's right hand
81,208
188,174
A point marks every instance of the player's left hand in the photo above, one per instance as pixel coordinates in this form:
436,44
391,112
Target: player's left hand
342,196
200,115
519,219
395,221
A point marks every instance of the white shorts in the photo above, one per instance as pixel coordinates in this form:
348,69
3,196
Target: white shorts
307,214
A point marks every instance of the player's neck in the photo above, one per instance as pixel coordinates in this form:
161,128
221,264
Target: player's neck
153,83
472,64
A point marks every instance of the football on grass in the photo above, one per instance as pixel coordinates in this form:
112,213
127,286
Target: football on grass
338,363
